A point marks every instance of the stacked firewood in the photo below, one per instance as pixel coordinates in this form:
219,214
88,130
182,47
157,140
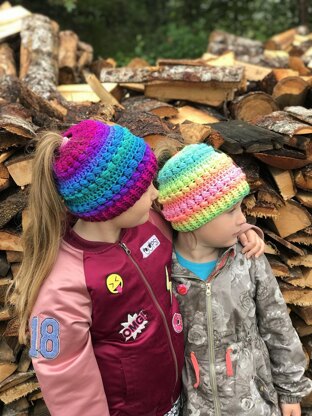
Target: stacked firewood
249,99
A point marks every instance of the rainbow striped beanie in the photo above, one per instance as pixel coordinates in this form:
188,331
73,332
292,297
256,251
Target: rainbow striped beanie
198,184
101,170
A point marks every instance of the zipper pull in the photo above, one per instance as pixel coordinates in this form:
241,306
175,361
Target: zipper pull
125,248
208,290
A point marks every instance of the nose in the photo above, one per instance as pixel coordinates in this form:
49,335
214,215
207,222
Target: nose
241,218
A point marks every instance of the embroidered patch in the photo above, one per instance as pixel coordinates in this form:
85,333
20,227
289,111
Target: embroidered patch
45,338
114,283
134,326
177,323
150,245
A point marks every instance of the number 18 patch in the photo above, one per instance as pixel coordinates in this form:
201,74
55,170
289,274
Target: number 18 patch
45,338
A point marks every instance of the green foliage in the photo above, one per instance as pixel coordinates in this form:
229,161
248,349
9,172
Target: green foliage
150,29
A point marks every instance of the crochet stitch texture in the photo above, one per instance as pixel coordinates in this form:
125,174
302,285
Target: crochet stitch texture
102,170
198,184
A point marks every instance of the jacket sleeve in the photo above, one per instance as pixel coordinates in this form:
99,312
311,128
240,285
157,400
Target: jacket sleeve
283,343
247,227
61,348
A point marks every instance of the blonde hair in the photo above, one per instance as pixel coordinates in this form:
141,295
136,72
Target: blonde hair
42,237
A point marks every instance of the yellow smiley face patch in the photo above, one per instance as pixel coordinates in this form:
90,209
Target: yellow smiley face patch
114,283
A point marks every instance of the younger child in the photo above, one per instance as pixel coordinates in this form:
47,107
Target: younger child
242,354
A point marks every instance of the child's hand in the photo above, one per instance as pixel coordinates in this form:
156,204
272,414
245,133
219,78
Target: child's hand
291,409
253,244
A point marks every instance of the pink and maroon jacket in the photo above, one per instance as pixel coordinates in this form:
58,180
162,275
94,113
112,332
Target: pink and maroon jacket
106,332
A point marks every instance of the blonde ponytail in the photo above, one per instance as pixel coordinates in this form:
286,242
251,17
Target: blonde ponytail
41,239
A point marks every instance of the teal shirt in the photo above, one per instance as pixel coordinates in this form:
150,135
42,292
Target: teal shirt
202,270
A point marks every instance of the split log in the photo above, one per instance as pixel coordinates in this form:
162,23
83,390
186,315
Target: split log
290,91
199,92
9,89
83,92
292,218
282,242
296,296
244,48
282,122
297,64
283,158
196,115
12,202
85,55
275,59
301,237
285,182
10,240
303,178
67,57
279,269
11,19
160,109
305,313
39,54
194,133
184,73
105,96
240,136
252,105
20,168
21,390
7,62
4,268
281,40
274,76
300,325
305,198
300,113
17,125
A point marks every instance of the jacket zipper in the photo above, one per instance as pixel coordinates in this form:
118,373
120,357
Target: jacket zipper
212,360
128,252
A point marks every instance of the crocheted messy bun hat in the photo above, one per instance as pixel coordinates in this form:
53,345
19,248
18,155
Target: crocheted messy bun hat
198,184
102,170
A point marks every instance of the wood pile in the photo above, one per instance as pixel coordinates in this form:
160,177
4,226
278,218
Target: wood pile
250,99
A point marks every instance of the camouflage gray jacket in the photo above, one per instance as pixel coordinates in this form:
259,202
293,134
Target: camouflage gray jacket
242,354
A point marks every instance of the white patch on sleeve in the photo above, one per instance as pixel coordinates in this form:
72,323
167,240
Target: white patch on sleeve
149,246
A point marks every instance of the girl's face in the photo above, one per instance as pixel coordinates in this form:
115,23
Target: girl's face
223,230
138,214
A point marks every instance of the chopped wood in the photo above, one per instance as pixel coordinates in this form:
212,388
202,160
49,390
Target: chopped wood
300,113
299,261
5,313
24,361
145,124
184,73
15,379
250,106
305,280
276,59
5,155
274,76
6,352
11,20
39,54
290,91
7,62
159,108
20,168
305,313
12,202
292,218
303,178
297,64
305,198
279,269
300,326
267,194
189,113
15,268
10,240
244,48
296,296
12,328
83,92
14,256
85,55
199,92
105,96
281,122
270,248
301,237
285,182
281,40
17,125
67,56
21,390
4,268
194,133
240,136
283,242
283,159
6,369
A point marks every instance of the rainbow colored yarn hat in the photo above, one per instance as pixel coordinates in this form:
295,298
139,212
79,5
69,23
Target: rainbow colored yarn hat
102,170
198,184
